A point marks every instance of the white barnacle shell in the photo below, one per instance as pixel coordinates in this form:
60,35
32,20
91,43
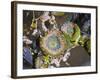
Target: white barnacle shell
51,66
66,56
56,62
34,32
45,16
26,40
44,27
52,20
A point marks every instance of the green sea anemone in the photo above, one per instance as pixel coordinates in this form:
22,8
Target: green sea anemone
53,43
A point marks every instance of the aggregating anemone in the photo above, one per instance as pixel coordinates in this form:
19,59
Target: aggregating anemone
53,43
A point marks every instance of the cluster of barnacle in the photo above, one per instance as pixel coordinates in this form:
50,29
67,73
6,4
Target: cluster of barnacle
50,43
